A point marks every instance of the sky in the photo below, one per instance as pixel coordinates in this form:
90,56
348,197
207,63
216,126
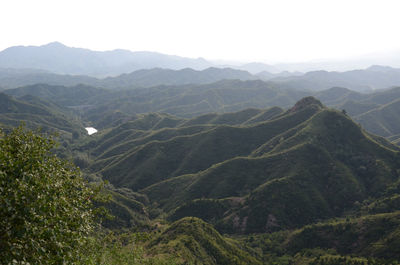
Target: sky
236,30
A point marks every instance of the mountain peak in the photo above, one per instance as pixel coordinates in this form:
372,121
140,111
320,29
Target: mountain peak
304,102
54,44
379,68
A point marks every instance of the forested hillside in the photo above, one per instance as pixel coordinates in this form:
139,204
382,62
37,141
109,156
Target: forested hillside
232,172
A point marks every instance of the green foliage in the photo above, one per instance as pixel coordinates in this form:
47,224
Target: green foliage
208,210
127,249
382,120
197,242
99,105
35,112
126,211
304,172
372,239
252,171
156,161
46,214
374,236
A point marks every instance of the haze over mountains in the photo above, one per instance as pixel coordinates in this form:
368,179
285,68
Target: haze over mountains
58,58
55,57
56,64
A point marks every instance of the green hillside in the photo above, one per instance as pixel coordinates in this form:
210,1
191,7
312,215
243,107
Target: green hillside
302,185
315,169
37,113
109,108
383,120
128,210
160,160
181,100
196,242
371,239
62,95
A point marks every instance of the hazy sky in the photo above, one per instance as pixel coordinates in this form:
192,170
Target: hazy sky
245,30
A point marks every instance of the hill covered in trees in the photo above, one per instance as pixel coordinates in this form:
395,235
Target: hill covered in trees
105,108
232,172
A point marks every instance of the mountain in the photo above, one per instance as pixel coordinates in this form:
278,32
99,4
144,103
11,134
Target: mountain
255,68
300,185
379,58
377,112
265,75
158,76
12,78
128,208
182,100
372,78
196,242
369,239
383,120
57,64
58,58
105,108
290,169
287,181
6,72
65,96
193,100
37,113
369,236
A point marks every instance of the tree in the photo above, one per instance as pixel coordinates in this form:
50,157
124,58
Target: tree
46,210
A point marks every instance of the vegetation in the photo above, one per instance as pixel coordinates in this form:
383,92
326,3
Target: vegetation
47,213
371,239
104,108
305,185
196,242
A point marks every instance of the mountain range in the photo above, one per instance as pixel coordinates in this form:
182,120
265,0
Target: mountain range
57,64
370,79
220,165
103,108
265,178
58,58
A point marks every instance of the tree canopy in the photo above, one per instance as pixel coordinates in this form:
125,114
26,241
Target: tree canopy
46,211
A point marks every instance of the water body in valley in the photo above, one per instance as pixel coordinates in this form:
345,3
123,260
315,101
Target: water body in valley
91,130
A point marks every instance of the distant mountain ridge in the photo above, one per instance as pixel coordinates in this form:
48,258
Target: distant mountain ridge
372,78
58,58
57,64
368,80
158,76
12,78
